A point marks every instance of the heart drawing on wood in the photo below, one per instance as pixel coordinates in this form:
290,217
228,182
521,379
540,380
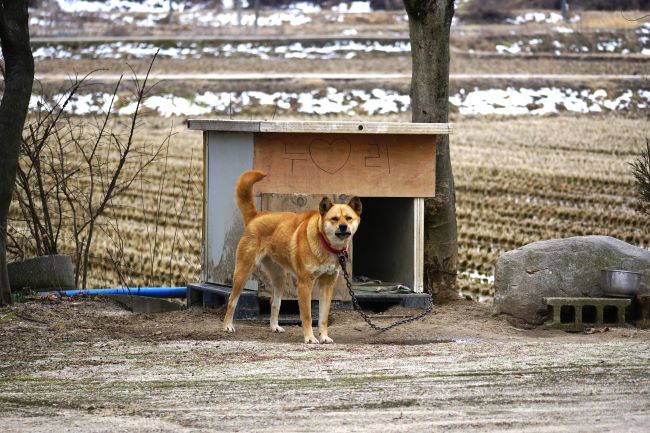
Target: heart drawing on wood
330,155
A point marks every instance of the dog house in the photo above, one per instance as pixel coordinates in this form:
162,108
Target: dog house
391,166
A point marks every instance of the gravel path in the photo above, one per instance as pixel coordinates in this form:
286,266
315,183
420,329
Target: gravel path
491,378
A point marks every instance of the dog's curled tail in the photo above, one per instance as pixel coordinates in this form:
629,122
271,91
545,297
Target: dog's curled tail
244,194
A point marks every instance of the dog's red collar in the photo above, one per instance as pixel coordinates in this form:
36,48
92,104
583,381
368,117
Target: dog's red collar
329,247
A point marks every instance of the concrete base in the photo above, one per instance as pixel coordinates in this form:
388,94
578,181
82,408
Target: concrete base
42,273
248,307
214,296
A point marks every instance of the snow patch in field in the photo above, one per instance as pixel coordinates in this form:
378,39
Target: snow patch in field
518,101
609,46
535,17
331,101
562,30
247,19
295,14
512,49
129,50
150,6
355,7
306,8
80,104
606,44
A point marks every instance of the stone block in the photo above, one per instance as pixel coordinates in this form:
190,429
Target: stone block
574,314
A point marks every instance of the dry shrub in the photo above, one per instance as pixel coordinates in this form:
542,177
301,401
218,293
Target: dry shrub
641,173
73,171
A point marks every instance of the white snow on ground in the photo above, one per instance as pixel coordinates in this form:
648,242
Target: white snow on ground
150,6
609,46
293,17
546,100
295,14
79,104
512,49
511,102
562,29
355,7
606,44
122,50
341,49
536,17
153,6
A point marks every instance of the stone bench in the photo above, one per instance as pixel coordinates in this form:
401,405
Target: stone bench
573,314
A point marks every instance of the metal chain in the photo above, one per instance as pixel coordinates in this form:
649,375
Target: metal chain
343,258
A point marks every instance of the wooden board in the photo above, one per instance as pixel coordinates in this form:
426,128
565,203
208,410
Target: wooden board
322,127
365,165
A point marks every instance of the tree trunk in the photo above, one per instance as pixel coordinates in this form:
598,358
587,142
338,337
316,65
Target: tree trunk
565,10
257,15
239,11
18,79
170,13
429,28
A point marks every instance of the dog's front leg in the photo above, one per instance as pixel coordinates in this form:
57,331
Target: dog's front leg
326,284
305,285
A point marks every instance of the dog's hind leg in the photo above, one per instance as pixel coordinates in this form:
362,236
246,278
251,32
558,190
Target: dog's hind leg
326,284
278,280
246,258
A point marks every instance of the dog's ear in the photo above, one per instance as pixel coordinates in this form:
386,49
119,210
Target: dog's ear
325,205
355,204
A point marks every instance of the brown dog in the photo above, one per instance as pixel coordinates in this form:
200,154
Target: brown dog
304,244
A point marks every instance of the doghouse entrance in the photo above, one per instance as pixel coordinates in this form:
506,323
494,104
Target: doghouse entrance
387,248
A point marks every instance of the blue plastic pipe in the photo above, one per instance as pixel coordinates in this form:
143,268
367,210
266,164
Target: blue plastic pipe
152,292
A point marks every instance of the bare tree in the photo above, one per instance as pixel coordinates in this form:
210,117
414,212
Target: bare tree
18,74
429,29
71,172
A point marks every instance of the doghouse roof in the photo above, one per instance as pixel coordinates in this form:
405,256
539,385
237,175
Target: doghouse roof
320,127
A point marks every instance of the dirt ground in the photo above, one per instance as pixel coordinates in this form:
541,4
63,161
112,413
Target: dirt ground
91,366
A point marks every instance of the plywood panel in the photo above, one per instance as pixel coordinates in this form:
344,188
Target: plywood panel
227,155
365,165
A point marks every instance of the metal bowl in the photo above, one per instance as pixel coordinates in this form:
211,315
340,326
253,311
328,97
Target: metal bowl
619,283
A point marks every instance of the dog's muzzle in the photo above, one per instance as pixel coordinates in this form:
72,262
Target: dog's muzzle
342,235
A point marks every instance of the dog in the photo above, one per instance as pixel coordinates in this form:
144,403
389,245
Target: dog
306,245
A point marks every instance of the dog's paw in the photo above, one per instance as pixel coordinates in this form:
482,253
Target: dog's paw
311,340
276,328
325,340
229,328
